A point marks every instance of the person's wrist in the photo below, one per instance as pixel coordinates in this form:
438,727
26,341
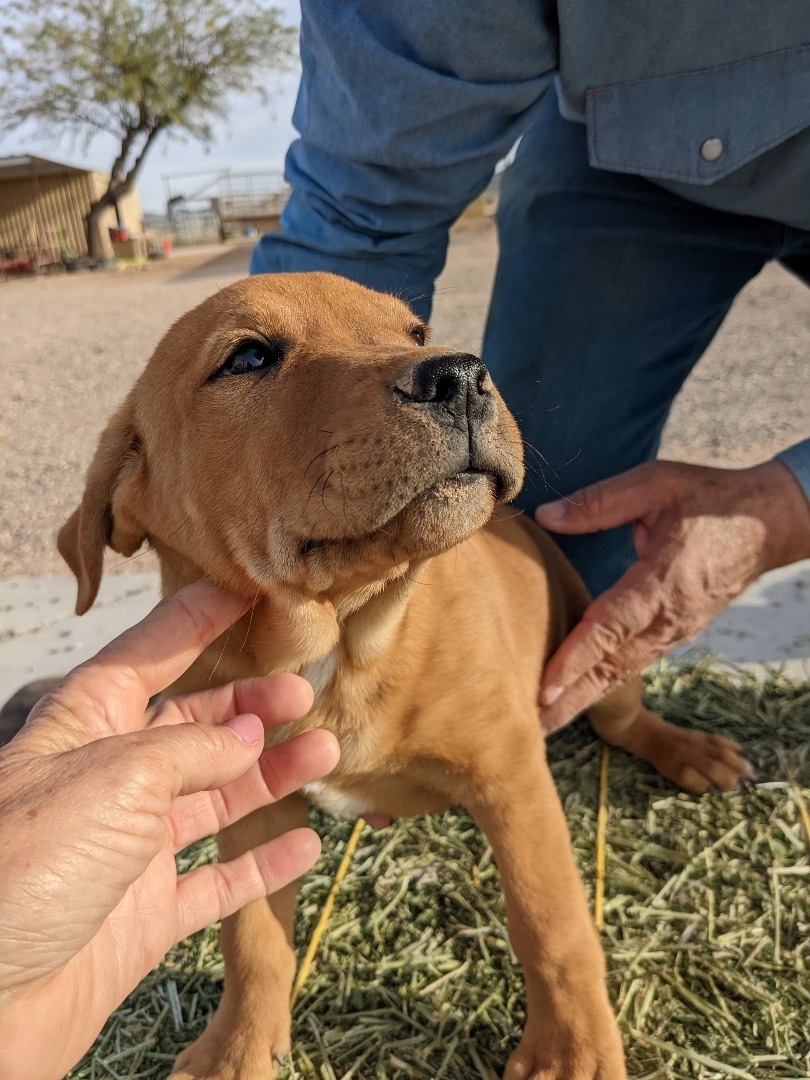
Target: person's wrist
785,511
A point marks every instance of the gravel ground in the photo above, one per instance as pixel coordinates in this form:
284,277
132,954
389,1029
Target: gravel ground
74,344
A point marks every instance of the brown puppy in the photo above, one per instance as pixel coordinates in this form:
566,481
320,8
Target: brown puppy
295,439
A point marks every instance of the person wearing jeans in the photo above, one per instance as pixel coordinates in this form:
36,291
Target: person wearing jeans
664,158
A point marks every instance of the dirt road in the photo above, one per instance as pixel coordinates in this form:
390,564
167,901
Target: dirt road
72,346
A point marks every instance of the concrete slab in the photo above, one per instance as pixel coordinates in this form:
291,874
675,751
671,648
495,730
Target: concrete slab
767,626
40,636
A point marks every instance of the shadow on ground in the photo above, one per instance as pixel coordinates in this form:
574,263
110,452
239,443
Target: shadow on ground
233,260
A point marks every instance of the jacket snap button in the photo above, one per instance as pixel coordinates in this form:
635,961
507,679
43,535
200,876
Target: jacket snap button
711,149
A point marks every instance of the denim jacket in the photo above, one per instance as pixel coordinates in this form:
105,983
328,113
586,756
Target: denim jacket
710,98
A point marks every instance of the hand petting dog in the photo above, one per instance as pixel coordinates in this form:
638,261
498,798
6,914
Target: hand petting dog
701,535
97,794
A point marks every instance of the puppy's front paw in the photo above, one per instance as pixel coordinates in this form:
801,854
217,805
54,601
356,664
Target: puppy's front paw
698,761
225,1052
553,1054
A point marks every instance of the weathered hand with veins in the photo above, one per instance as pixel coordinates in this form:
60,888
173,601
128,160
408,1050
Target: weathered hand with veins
701,535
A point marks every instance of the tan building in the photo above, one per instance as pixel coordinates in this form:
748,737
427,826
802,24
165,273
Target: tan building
43,207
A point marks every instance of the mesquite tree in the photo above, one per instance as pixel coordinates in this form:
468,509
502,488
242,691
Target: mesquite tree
133,69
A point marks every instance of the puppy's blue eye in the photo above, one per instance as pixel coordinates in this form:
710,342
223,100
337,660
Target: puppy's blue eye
251,357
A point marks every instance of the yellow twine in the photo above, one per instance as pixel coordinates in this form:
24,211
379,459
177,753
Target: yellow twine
342,870
317,933
803,813
601,831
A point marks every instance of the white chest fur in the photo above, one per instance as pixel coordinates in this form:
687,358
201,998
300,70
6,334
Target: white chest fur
319,675
333,801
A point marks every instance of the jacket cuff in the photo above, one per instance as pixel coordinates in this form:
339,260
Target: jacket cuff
797,459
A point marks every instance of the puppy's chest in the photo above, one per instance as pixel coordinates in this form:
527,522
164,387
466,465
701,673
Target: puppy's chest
341,708
321,673
352,789
354,709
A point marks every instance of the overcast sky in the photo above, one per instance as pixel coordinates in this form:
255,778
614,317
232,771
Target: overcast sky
254,136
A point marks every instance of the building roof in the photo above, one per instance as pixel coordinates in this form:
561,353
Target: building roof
23,166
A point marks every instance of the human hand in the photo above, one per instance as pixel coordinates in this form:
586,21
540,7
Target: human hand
97,796
701,536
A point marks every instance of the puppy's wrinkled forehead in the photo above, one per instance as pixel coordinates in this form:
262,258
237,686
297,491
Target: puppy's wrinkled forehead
303,309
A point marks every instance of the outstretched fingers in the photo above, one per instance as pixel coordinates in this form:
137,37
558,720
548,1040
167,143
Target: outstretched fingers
162,646
630,496
277,699
213,892
279,771
621,632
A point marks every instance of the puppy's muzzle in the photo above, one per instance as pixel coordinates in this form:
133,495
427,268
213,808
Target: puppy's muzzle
454,386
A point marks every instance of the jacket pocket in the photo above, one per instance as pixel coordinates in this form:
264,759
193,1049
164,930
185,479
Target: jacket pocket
700,126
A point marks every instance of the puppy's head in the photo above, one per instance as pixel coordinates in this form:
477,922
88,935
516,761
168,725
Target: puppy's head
298,429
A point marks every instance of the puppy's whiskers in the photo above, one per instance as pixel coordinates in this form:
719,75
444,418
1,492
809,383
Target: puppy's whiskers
398,577
227,640
324,486
409,578
148,547
334,446
250,621
313,489
138,554
537,453
537,468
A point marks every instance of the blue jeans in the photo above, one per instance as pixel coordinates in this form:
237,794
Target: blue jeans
608,290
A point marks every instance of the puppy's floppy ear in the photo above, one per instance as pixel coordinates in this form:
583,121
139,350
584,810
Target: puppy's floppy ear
104,515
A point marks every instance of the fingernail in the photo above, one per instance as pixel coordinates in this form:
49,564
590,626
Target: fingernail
551,512
248,727
550,694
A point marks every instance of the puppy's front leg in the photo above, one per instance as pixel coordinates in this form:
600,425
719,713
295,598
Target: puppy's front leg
250,1032
570,1031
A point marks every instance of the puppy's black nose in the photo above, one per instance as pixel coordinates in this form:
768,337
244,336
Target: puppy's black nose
458,382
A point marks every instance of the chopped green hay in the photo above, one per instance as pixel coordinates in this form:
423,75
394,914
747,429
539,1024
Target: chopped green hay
707,923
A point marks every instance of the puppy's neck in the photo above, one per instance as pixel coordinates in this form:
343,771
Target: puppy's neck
370,622
287,629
